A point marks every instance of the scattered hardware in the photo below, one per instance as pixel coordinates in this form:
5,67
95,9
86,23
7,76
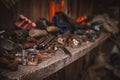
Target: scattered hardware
30,44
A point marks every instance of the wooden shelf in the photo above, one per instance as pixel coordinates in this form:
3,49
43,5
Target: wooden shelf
55,63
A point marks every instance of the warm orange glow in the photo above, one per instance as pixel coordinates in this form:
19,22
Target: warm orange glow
55,7
51,10
80,19
62,5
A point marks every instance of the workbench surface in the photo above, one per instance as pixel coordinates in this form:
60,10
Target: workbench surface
55,63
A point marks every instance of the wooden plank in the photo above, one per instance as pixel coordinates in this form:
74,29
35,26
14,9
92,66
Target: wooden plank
70,72
55,63
33,9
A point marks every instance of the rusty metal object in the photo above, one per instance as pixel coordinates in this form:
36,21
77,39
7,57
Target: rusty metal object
32,60
19,33
8,64
62,39
32,63
39,56
52,47
19,60
6,44
28,57
52,29
27,45
43,44
31,39
37,33
19,36
42,39
8,55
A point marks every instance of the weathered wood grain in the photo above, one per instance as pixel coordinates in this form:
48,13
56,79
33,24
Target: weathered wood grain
55,63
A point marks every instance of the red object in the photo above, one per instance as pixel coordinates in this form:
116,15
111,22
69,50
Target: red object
55,7
20,23
25,23
21,16
51,10
33,24
81,19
